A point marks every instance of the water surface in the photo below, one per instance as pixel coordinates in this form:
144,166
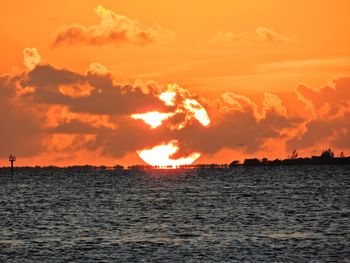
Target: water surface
271,214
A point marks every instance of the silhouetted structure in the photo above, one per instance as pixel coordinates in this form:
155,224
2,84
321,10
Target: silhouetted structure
234,163
252,162
294,155
326,157
118,167
12,159
327,154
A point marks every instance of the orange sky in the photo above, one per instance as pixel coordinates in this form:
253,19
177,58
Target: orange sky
208,47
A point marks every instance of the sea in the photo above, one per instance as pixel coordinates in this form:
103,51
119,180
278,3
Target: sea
243,214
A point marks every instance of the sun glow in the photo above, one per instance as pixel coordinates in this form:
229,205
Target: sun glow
153,118
160,155
168,97
187,109
198,111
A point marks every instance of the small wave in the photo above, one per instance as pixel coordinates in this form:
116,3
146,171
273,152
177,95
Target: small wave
290,235
11,242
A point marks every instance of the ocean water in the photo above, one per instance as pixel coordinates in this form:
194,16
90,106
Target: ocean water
271,214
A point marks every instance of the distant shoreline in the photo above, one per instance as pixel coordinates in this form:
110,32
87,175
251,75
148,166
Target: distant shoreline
314,161
326,158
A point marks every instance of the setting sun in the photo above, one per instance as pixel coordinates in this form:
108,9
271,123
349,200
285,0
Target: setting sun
188,110
160,156
154,118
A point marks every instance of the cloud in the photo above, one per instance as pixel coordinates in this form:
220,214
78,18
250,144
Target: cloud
325,132
241,126
60,111
76,127
237,128
269,35
330,99
114,29
317,131
31,58
98,69
21,132
94,93
272,103
330,121
307,64
261,34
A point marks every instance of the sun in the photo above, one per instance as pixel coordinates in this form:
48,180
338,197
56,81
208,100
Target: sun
153,118
184,104
160,155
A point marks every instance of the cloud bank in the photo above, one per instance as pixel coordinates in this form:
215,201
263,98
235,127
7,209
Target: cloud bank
51,110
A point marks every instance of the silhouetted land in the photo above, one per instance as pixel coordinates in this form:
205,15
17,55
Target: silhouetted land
326,158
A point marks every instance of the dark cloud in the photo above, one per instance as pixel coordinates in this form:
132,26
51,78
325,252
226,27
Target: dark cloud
335,96
48,76
331,116
333,132
239,127
76,127
342,138
21,132
130,136
103,98
235,130
115,101
317,131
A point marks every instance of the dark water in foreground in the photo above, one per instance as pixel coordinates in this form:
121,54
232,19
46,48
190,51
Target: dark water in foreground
274,214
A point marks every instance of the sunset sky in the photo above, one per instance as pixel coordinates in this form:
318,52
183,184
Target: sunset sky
251,79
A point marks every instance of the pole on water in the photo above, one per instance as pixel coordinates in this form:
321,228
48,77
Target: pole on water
12,159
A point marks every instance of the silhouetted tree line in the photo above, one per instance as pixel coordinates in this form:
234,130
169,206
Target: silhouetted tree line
327,157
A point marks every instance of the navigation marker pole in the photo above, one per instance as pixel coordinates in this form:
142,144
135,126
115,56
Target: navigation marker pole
12,159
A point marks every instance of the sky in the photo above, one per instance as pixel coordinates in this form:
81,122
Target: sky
243,78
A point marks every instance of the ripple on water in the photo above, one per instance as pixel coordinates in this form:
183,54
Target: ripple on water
274,214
